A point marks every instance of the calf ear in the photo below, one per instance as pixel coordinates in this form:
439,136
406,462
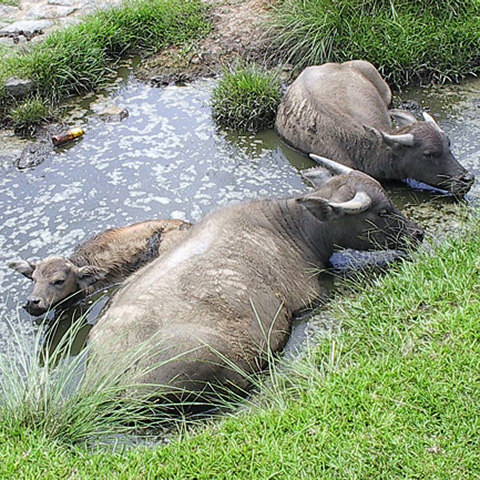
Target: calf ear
25,268
89,275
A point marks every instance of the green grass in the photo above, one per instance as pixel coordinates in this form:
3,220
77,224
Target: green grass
47,393
26,115
408,41
12,3
246,98
394,395
78,59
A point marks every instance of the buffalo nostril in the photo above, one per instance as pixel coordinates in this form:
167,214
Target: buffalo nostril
33,301
419,234
467,178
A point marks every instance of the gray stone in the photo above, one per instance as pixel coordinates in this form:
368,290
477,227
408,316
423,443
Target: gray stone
8,11
18,87
34,154
7,41
62,3
27,26
50,12
113,113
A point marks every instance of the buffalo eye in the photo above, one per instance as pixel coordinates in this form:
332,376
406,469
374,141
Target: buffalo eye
59,282
383,213
431,154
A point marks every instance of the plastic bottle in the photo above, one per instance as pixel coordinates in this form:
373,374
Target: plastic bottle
68,136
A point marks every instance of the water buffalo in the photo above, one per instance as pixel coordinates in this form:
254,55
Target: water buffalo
101,261
341,111
225,295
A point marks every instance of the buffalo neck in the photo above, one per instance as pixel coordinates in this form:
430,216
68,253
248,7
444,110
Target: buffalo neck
376,158
294,222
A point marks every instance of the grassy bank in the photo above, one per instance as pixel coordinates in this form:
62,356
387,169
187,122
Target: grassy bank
78,59
394,395
409,41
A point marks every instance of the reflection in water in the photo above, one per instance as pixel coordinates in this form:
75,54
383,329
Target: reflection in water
168,160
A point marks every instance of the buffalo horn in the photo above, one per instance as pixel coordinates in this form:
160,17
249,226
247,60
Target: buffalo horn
429,119
337,168
404,139
358,204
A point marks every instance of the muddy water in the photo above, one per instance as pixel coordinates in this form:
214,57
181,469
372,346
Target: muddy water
168,160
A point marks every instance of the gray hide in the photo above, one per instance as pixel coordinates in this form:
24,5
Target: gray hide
225,296
99,262
341,111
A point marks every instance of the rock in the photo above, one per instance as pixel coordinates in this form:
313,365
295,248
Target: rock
7,41
18,87
113,113
27,26
8,11
34,154
50,12
62,3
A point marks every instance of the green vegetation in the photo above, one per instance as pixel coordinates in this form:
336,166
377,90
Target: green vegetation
408,41
77,59
394,394
26,115
12,3
246,98
42,391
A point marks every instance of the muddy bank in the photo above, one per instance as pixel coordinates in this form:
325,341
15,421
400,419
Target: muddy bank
238,34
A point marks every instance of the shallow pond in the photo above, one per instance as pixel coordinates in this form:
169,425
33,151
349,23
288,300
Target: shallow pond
168,160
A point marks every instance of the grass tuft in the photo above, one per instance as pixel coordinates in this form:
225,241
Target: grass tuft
45,391
31,112
246,98
409,42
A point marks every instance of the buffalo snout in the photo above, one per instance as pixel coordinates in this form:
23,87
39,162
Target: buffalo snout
463,184
35,306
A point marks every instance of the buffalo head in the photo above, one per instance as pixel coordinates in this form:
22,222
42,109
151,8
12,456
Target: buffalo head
55,280
360,214
421,151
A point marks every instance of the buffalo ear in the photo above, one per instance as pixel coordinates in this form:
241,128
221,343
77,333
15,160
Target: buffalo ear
23,267
319,207
316,176
327,210
401,117
89,274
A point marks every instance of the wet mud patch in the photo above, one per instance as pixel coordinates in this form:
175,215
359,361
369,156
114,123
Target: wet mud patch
238,33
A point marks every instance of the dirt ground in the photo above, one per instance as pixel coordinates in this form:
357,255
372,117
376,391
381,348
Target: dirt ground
239,32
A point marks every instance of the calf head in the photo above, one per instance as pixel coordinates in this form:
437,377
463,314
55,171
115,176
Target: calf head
55,280
358,211
421,151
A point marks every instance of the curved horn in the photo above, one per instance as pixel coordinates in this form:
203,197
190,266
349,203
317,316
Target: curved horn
405,139
358,204
337,168
430,120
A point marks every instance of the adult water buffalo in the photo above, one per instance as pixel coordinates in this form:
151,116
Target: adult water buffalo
341,111
101,261
222,298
